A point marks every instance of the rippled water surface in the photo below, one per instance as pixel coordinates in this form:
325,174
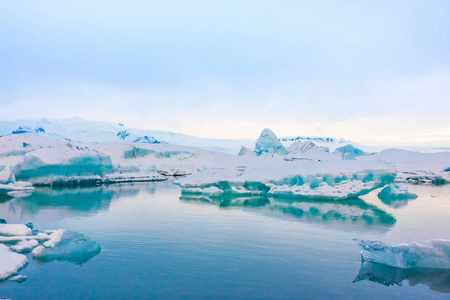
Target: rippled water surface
157,244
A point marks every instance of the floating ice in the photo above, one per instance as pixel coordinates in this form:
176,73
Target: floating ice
14,229
430,254
6,175
18,278
67,245
396,192
25,245
349,152
268,143
307,180
10,262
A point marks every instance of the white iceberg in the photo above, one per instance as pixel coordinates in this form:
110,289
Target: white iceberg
10,262
430,254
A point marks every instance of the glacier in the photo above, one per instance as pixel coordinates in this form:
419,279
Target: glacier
430,254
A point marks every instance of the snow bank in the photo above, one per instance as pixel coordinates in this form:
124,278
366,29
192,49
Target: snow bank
10,262
430,254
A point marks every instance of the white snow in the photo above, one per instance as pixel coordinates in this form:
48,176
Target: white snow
79,130
14,229
24,245
10,262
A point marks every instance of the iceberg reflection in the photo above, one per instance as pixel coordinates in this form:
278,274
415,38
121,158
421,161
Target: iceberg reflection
71,200
352,214
436,279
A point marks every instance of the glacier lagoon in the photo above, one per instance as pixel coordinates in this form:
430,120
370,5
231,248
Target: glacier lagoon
157,243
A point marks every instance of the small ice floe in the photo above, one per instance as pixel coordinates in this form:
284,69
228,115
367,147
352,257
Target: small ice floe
18,278
67,245
430,254
46,246
14,229
10,262
396,191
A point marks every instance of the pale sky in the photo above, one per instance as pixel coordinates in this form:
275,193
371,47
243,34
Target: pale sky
375,72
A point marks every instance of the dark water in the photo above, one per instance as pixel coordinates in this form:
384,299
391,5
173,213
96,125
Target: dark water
158,245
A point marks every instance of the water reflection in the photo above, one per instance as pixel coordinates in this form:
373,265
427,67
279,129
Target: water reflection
352,214
436,279
395,203
72,200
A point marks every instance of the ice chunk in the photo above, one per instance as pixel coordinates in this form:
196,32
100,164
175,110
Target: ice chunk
67,245
396,192
14,229
349,152
25,246
58,165
18,278
10,262
430,254
246,151
6,175
268,143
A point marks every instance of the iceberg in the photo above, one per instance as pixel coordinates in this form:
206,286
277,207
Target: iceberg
58,165
396,191
430,254
67,245
25,245
349,152
335,180
268,143
10,262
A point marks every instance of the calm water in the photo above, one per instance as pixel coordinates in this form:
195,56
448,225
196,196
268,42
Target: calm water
158,245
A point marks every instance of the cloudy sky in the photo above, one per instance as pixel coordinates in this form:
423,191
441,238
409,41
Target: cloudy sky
376,72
